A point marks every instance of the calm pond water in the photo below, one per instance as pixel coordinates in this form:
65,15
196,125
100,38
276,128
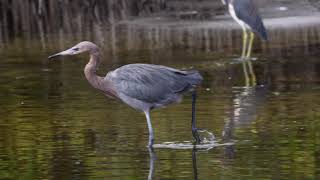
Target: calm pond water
53,125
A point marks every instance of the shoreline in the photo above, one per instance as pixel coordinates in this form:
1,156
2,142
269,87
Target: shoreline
224,22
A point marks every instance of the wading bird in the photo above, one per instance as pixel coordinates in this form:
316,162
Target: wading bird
142,86
246,14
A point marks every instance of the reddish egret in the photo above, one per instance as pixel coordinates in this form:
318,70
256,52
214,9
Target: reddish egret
246,14
141,86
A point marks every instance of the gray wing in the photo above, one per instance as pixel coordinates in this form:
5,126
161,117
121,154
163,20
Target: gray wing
248,12
152,83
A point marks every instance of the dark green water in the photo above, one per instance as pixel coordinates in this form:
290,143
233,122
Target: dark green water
53,125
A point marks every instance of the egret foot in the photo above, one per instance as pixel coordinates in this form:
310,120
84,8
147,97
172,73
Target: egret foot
150,144
196,135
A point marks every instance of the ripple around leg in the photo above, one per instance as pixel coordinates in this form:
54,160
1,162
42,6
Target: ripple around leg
207,142
190,145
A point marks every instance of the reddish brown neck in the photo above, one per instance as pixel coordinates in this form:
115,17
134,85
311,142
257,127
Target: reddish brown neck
96,81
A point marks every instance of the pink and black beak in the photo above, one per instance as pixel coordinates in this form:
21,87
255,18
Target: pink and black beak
71,51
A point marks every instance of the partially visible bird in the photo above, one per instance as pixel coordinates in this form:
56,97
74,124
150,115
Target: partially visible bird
246,14
142,86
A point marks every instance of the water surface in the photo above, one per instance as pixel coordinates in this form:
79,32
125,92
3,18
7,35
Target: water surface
53,125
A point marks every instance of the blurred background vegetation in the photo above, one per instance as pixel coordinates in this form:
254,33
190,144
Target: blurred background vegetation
28,18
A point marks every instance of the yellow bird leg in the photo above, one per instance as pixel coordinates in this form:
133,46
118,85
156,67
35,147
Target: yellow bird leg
250,44
252,74
244,43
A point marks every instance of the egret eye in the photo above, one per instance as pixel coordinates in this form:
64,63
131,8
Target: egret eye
75,49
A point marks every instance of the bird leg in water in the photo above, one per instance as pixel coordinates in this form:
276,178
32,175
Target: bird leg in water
251,71
151,137
195,133
250,45
244,43
253,75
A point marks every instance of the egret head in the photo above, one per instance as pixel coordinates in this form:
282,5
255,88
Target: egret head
77,49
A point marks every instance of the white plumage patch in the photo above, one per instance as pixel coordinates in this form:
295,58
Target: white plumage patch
234,16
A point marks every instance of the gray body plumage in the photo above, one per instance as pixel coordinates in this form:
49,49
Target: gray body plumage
147,86
247,12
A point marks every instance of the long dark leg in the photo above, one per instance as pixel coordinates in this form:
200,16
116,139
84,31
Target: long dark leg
195,133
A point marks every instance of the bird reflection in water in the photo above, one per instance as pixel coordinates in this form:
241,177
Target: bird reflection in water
152,158
249,74
246,105
194,164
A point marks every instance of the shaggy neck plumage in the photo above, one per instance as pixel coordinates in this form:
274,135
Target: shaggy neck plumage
91,69
96,81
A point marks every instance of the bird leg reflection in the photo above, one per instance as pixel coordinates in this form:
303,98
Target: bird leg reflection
195,133
245,72
249,75
152,156
194,163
